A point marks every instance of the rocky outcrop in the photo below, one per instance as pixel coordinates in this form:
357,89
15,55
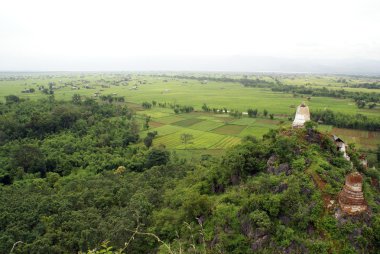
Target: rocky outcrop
282,168
260,242
351,198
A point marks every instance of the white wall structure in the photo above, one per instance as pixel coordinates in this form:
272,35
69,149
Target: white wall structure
341,146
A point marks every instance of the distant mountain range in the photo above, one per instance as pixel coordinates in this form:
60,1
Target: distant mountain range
205,63
267,64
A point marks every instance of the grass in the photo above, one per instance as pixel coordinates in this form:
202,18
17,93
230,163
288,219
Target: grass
256,131
324,128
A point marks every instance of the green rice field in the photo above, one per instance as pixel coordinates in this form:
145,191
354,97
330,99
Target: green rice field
212,132
187,92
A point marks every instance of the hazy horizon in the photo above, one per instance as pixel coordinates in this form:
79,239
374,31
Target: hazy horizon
241,36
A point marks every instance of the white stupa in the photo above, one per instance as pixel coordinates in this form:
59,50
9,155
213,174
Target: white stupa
302,116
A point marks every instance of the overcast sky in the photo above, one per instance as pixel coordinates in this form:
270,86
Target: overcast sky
184,35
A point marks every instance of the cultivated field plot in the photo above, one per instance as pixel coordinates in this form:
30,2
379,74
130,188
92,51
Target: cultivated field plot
188,122
164,130
202,140
268,125
168,119
224,117
206,125
154,114
267,121
324,128
153,124
216,132
226,143
256,131
245,121
229,129
134,106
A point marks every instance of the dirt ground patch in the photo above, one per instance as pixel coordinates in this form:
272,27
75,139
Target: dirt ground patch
154,124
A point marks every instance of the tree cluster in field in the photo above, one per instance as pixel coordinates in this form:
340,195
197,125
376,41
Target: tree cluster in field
29,90
146,105
235,113
186,138
373,85
49,90
363,103
342,120
112,98
176,107
246,82
182,109
342,80
148,140
87,185
146,122
206,108
255,113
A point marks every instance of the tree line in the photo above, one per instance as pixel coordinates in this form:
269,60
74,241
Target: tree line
177,108
342,120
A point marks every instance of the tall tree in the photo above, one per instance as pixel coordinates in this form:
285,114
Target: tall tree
186,137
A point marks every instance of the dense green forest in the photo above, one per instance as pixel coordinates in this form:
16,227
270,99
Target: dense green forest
76,177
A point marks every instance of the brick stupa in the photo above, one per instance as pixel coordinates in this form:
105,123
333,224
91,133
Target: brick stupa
351,198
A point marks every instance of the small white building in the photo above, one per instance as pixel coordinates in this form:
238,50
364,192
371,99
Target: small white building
302,116
341,146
